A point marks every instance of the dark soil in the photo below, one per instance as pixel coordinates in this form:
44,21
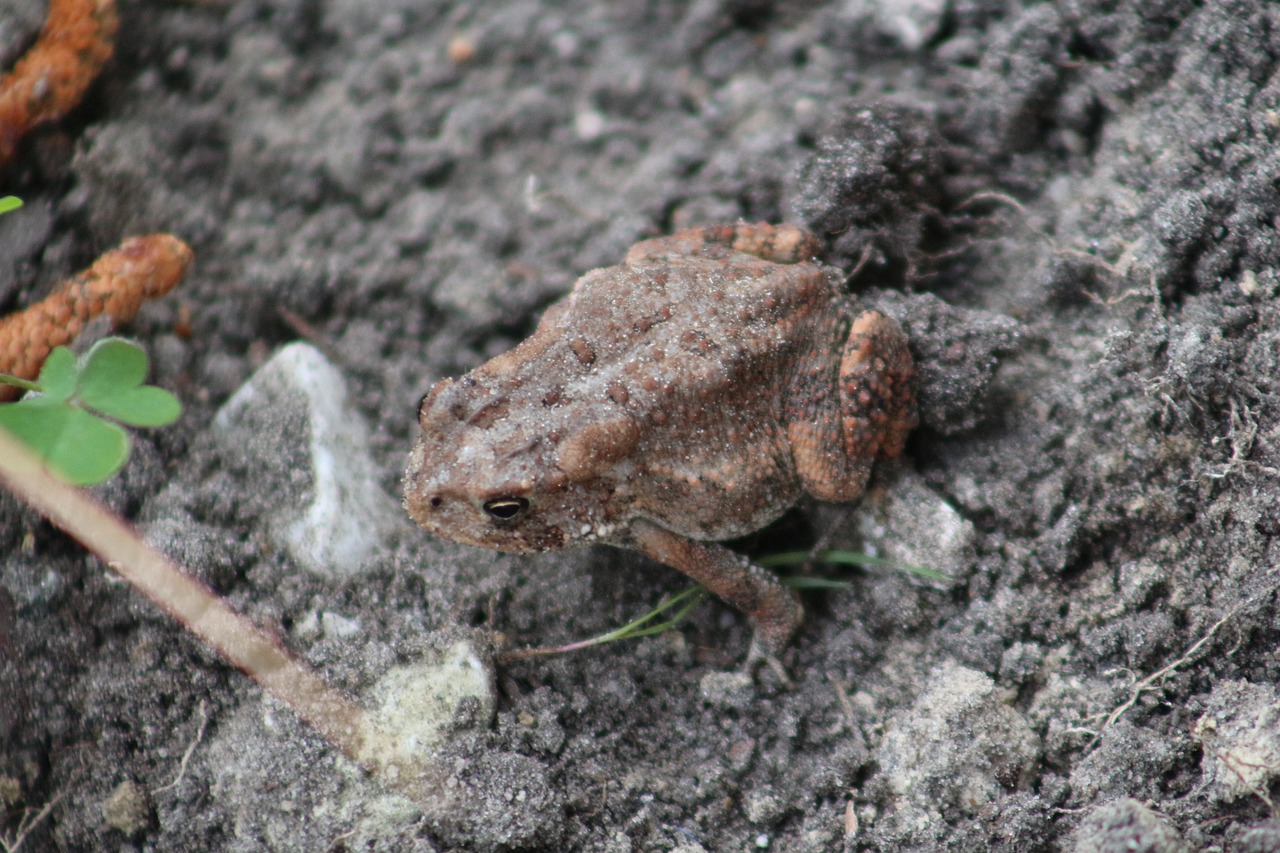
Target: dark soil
1072,207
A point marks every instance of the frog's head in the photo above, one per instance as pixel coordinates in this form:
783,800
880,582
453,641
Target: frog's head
488,470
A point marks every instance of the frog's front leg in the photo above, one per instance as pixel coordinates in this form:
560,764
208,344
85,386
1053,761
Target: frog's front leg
774,609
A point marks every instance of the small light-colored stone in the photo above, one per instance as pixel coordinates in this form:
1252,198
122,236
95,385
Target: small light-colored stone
727,690
1125,825
764,807
417,705
912,22
127,809
290,428
338,626
911,524
959,747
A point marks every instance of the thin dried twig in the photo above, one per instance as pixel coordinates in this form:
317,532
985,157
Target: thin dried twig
77,40
29,821
189,751
116,285
364,737
1156,678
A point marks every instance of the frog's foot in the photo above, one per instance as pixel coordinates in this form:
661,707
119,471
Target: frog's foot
773,607
877,388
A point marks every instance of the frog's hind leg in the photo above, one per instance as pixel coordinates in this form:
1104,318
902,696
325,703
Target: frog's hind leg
877,388
781,244
877,409
774,609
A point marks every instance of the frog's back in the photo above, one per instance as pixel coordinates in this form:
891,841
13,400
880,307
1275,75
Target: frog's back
663,386
702,353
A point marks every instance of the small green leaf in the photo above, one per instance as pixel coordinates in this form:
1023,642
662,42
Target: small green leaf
58,375
109,365
27,418
63,425
147,406
9,202
111,376
83,449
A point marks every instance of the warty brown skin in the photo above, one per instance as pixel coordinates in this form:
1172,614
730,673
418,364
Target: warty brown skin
689,395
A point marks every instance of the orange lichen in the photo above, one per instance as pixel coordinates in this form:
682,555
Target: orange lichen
77,41
115,286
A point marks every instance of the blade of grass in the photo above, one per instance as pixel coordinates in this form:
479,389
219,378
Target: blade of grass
811,582
693,596
688,599
643,626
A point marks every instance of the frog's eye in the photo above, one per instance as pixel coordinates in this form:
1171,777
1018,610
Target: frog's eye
505,509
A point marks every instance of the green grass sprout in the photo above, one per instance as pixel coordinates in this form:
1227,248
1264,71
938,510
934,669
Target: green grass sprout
682,603
9,202
71,425
840,558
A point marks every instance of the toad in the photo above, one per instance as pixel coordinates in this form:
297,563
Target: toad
691,394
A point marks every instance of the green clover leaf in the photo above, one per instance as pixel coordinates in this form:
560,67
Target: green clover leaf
82,448
58,375
67,425
110,382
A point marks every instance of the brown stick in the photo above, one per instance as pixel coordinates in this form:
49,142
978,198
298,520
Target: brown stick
236,638
78,39
193,604
116,285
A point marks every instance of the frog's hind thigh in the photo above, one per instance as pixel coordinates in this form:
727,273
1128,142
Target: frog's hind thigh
877,409
781,244
877,388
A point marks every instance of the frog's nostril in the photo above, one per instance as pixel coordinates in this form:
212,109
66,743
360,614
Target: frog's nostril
436,501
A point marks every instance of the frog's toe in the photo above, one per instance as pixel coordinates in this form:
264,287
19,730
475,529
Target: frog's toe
761,654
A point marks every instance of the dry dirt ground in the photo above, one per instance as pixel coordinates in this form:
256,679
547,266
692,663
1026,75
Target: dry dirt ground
1072,206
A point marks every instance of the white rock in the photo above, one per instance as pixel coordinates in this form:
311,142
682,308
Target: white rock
958,748
291,428
1240,733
